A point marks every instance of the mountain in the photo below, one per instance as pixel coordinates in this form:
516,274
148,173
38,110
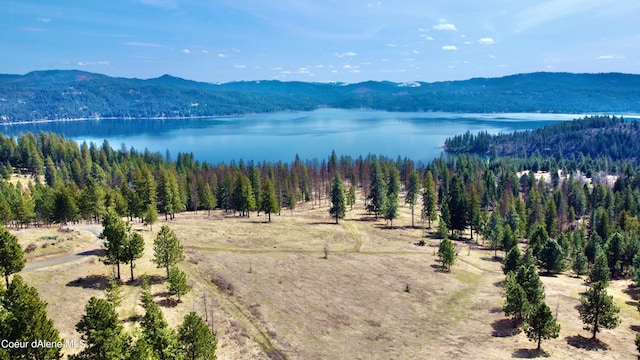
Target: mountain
70,94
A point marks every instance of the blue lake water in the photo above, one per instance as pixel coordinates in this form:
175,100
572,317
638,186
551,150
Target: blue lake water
280,136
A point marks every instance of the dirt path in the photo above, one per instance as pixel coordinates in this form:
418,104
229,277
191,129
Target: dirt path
93,229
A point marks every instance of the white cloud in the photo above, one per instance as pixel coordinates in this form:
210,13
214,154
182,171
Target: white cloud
492,56
44,20
239,66
422,29
222,56
205,52
467,42
392,45
426,37
346,54
277,68
444,27
186,51
354,70
449,48
319,66
350,66
611,57
486,41
93,63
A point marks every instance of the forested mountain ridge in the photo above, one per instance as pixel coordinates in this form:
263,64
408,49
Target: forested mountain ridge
72,94
596,136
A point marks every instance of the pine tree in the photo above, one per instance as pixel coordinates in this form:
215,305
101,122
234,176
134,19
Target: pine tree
516,304
597,310
178,282
113,293
11,256
133,249
269,201
493,231
447,253
351,196
391,208
150,216
550,257
197,340
378,189
579,265
599,270
207,199
167,250
473,211
457,203
114,233
512,261
528,278
413,187
102,332
27,322
338,200
540,324
156,332
429,199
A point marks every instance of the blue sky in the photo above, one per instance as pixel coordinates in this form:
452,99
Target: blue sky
320,40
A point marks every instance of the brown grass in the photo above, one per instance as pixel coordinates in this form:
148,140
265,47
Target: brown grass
270,294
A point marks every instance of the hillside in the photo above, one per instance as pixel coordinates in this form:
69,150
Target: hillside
71,94
596,136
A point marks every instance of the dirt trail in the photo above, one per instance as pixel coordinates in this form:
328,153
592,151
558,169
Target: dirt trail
93,229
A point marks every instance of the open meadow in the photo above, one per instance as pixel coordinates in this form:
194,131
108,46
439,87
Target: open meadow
269,292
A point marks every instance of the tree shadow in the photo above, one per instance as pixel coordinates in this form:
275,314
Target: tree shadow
635,328
581,342
96,252
97,282
169,302
498,283
529,353
632,291
152,279
132,318
162,294
491,258
504,328
439,268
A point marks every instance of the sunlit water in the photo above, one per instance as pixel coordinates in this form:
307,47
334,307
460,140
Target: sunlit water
280,136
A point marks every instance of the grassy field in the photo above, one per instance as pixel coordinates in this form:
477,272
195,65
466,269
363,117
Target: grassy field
270,293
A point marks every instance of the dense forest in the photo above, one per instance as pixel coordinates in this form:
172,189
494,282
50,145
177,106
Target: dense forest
584,214
596,136
57,94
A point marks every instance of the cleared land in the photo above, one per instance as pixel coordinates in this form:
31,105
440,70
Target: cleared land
272,295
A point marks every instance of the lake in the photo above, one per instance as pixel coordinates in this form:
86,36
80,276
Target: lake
280,136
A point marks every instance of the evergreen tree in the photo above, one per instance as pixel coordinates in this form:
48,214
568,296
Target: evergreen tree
457,204
597,310
197,340
540,324
447,253
473,211
493,231
516,304
27,322
538,238
550,256
527,276
600,270
338,200
207,199
133,249
269,199
156,332
114,233
113,293
150,216
512,261
167,250
509,239
178,282
11,256
102,332
351,196
429,199
391,208
413,186
378,189
579,265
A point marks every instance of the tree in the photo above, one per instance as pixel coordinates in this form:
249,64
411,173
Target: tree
338,201
351,196
178,282
102,332
493,231
150,216
114,233
429,199
413,187
457,205
550,256
540,324
378,189
512,261
516,304
473,211
597,310
113,293
207,199
27,322
11,256
599,270
269,201
579,265
197,340
156,332
391,208
133,249
167,250
528,278
447,253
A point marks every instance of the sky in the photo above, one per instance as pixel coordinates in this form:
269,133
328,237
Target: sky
320,40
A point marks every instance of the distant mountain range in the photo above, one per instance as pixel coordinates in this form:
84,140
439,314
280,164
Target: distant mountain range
71,94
